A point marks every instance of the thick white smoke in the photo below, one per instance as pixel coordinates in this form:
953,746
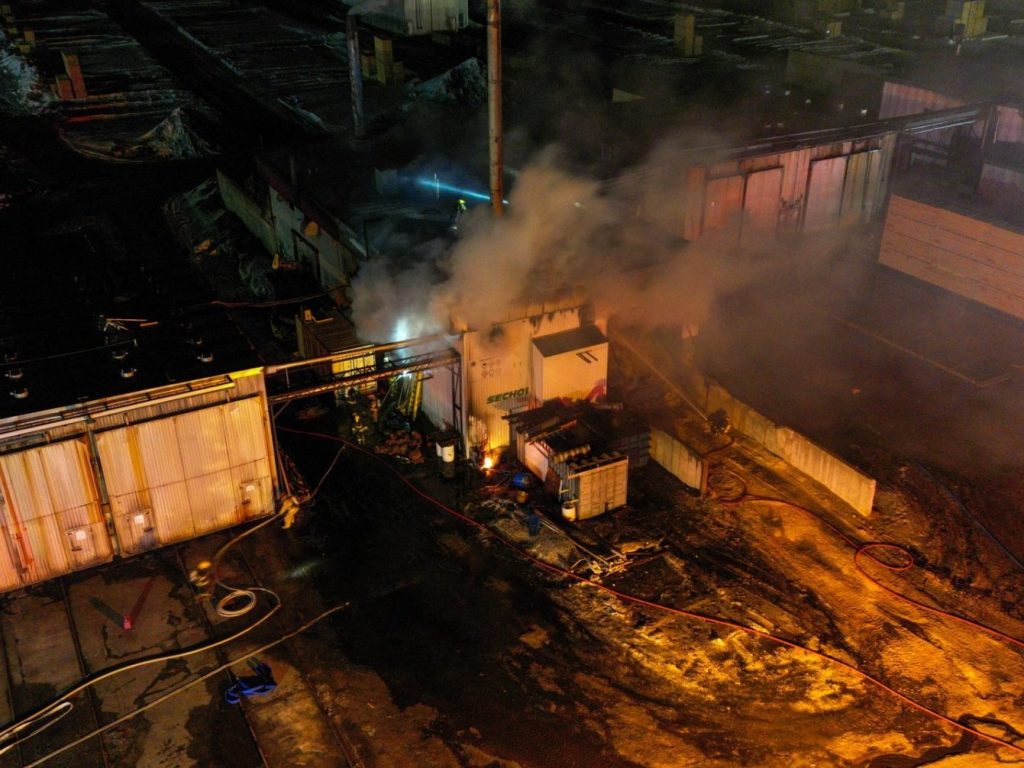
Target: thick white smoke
619,243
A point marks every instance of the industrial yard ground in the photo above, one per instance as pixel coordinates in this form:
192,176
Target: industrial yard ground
459,650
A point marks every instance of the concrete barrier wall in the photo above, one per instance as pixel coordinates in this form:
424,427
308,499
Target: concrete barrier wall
679,460
849,484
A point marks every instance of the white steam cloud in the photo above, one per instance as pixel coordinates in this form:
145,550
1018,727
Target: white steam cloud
619,244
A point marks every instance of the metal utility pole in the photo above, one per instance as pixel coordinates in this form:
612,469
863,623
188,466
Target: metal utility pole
494,105
355,74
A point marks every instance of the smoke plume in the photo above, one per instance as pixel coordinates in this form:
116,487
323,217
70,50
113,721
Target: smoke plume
619,244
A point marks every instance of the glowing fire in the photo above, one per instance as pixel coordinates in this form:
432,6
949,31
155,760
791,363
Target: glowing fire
488,462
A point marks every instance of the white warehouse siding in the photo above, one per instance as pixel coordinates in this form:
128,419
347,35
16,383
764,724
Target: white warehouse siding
496,371
438,393
172,479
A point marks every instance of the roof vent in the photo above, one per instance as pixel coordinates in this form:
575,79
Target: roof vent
128,372
119,354
14,374
20,393
206,356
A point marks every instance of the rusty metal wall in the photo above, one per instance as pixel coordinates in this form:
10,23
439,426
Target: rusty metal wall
855,189
779,193
762,199
901,99
879,172
824,194
693,201
723,204
1009,126
1001,185
51,514
172,479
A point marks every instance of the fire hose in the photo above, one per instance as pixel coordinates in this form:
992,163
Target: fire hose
48,715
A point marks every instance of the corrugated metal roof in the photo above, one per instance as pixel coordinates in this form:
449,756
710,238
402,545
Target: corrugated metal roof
127,321
567,341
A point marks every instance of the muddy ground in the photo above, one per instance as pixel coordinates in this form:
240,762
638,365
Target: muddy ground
523,667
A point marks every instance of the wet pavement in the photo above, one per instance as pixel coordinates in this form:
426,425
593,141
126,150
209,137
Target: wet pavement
72,628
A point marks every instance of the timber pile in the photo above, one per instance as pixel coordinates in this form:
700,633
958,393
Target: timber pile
405,445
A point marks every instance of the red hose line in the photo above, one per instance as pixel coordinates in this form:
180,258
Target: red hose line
626,597
904,562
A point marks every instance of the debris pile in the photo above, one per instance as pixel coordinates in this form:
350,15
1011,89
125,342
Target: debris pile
403,445
465,84
20,89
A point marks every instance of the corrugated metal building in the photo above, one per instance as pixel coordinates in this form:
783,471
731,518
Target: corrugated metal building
125,474
131,418
752,199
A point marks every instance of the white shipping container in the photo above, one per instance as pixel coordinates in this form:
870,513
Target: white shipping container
572,364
